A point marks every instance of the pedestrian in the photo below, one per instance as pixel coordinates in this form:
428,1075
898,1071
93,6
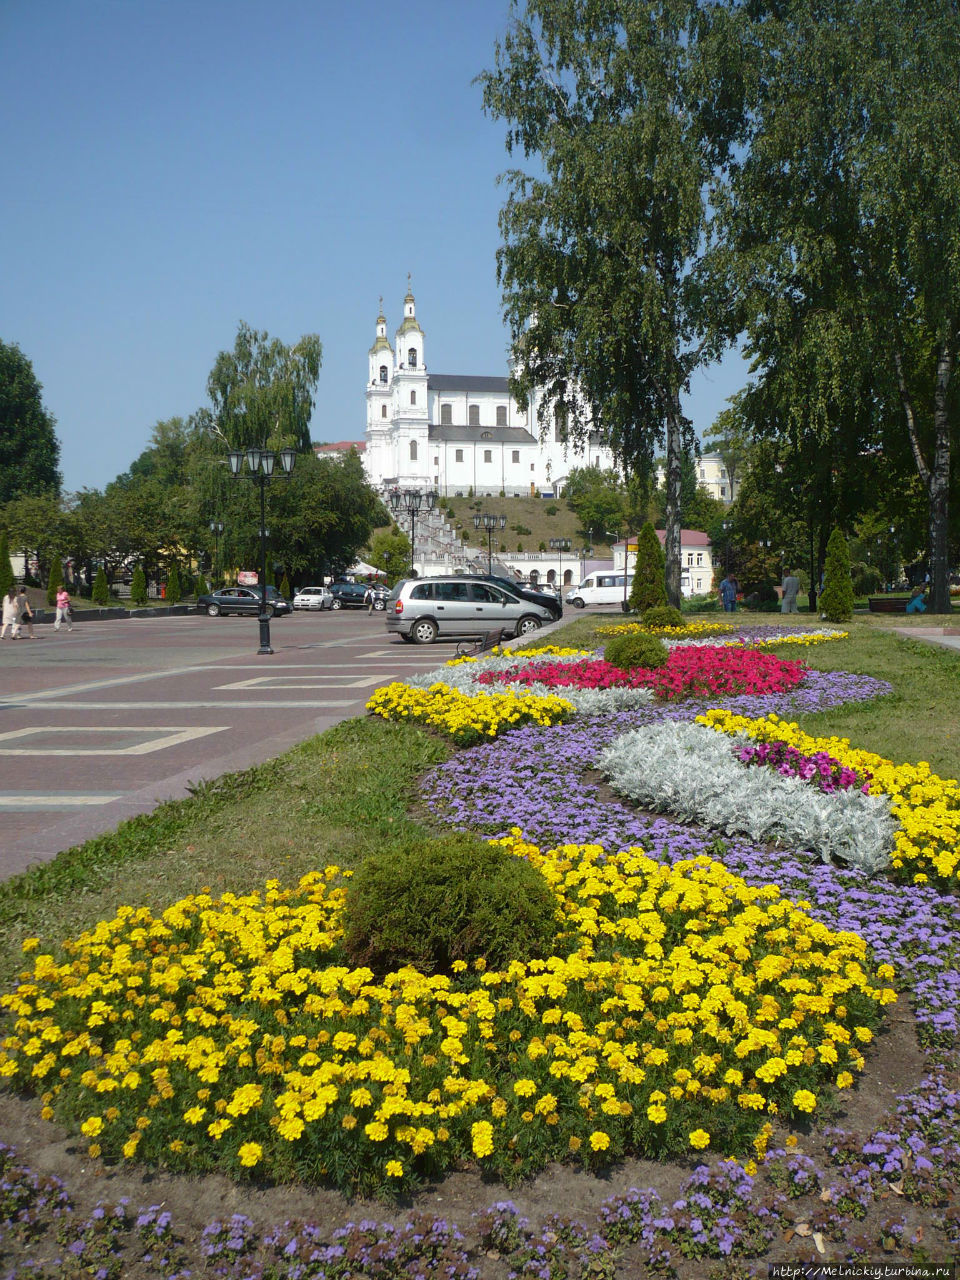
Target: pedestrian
916,602
26,613
728,593
64,612
791,586
368,598
11,615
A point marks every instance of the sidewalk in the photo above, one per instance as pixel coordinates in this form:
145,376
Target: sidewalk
947,637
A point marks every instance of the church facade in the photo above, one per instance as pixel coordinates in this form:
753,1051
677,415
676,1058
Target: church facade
457,433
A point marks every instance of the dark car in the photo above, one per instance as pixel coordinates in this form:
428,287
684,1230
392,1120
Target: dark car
242,600
349,595
546,599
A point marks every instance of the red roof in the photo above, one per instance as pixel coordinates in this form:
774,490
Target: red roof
341,446
688,537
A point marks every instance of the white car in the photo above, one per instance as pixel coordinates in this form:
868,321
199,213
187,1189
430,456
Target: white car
313,598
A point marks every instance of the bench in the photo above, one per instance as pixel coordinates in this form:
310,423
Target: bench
472,648
888,604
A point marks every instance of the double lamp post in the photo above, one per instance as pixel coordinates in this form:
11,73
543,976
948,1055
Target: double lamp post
489,522
260,464
411,501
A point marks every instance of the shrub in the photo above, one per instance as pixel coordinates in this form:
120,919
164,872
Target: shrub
866,578
639,650
836,598
7,579
435,902
173,594
552,509
285,587
55,581
138,587
101,592
649,582
663,615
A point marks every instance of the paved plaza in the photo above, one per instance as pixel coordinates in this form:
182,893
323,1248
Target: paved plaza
106,721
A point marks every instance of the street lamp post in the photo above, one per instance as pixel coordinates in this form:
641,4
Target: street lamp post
216,528
726,525
560,545
489,522
260,464
411,501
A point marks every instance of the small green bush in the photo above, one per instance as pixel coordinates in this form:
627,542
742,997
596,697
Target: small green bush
836,598
453,898
7,580
173,594
649,588
285,587
637,650
663,615
55,581
138,588
101,592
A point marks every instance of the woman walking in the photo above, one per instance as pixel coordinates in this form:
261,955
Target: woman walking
63,610
26,613
11,615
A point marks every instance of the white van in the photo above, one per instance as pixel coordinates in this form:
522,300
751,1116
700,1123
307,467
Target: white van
599,588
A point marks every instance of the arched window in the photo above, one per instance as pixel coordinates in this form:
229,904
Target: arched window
473,415
446,415
413,397
560,423
383,411
412,357
383,373
501,415
413,450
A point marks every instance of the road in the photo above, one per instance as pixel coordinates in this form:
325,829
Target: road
106,721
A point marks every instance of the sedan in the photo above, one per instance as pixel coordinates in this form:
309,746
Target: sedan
348,595
242,600
313,598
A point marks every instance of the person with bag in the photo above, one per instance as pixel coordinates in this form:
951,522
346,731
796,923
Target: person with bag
26,613
64,613
11,615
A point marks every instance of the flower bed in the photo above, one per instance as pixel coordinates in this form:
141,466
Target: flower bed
709,671
463,717
927,807
469,678
681,1005
820,769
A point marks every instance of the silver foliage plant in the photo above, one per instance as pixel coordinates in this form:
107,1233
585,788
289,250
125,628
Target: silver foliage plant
690,771
588,702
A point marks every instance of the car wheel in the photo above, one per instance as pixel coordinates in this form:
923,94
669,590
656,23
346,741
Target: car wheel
213,610
577,602
424,631
336,604
379,605
527,624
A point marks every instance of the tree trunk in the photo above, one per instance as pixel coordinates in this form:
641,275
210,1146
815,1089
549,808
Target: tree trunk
672,518
938,487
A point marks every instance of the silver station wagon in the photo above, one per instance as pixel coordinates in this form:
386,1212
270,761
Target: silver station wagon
420,609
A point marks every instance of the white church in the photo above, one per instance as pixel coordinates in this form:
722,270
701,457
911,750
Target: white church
456,433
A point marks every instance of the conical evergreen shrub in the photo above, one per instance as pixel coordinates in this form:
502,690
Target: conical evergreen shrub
285,587
173,594
649,576
836,598
55,581
138,588
101,591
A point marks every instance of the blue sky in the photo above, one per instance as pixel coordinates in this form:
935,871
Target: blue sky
173,168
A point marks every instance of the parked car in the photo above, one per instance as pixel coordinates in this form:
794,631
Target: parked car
313,598
348,595
421,609
599,588
242,600
536,595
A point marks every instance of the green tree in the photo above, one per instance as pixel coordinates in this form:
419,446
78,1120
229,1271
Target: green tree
172,594
138,587
389,551
649,585
262,391
597,499
7,579
285,586
29,449
41,525
836,598
603,248
101,590
55,581
841,228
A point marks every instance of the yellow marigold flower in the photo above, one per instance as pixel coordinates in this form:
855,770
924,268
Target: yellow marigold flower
804,1100
92,1126
376,1131
524,1088
130,1146
94,1150
699,1138
844,1080
394,1169
481,1137
217,1129
657,1113
250,1153
29,944
599,1141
